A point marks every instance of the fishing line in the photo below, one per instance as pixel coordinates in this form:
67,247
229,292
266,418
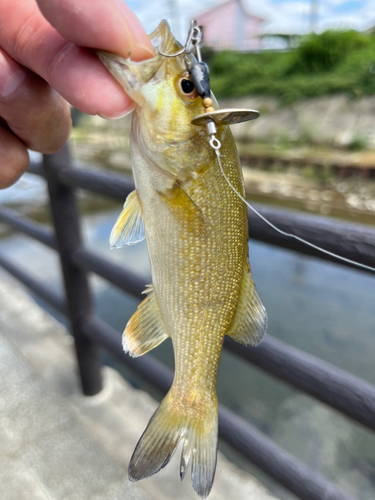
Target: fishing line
201,81
215,144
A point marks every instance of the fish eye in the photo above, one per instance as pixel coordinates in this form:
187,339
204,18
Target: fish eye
187,88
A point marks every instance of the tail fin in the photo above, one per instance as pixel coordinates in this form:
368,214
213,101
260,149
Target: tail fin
167,427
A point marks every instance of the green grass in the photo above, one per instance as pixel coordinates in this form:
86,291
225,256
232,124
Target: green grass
330,63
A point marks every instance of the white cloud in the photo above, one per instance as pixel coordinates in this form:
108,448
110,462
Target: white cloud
281,16
287,16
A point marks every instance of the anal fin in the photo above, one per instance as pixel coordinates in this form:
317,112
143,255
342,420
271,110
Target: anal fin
250,320
145,329
184,210
129,228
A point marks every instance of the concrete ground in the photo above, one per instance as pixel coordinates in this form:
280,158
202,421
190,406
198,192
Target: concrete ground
56,444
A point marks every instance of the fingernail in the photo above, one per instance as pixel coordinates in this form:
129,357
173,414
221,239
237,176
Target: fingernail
117,117
138,42
12,75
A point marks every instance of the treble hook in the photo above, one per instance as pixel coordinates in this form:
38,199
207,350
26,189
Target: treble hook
193,40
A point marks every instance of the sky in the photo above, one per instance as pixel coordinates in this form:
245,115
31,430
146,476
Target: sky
282,16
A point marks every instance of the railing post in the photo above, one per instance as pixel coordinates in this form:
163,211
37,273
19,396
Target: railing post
65,217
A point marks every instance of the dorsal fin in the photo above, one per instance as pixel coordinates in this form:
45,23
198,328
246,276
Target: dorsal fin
250,320
145,329
129,228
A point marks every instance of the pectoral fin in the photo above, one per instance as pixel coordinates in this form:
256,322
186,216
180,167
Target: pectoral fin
184,210
129,228
250,320
145,329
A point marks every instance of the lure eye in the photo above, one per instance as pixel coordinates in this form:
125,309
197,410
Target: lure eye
187,88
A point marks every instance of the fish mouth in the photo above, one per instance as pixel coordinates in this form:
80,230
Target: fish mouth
133,75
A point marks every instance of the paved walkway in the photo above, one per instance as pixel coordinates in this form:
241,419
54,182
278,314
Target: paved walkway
56,444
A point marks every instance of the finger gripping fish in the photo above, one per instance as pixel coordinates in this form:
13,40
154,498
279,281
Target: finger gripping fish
196,232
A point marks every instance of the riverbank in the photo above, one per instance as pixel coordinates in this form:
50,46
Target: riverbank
283,164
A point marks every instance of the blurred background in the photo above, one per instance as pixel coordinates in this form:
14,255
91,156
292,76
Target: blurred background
309,68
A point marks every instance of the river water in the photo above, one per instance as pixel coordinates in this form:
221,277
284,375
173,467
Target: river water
322,308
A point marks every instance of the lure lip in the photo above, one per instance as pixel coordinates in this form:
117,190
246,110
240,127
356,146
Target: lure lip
229,116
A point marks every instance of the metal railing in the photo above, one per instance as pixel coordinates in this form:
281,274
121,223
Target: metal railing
346,393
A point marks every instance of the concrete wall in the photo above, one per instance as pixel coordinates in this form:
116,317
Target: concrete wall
330,120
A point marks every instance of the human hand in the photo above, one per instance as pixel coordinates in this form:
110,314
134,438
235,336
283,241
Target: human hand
47,60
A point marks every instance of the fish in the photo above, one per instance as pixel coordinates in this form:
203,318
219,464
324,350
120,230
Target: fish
196,232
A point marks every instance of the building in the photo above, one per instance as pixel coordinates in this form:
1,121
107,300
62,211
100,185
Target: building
370,31
229,26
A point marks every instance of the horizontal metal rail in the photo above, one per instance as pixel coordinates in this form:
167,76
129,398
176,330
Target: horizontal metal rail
49,295
110,185
276,462
83,258
345,239
122,278
348,240
28,226
350,395
346,393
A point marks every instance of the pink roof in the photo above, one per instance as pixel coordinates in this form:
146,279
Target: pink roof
224,4
229,27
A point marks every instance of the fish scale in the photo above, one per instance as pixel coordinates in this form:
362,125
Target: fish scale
223,248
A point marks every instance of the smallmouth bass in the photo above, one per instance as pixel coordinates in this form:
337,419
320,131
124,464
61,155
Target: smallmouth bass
196,233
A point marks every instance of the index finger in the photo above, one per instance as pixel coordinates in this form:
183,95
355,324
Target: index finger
75,72
109,25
